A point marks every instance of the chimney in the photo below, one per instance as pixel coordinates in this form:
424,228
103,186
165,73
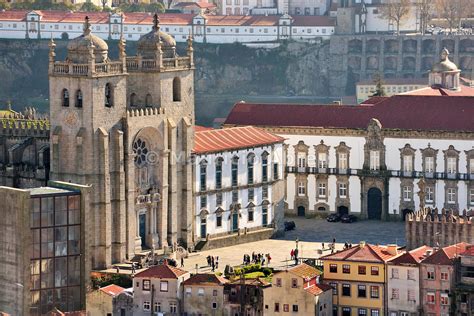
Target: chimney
392,249
362,244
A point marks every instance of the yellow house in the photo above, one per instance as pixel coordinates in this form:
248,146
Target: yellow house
358,278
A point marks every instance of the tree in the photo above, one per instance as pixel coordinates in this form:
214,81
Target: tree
379,90
425,10
89,7
395,10
453,11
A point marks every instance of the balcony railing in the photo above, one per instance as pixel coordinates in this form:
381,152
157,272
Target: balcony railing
138,64
66,68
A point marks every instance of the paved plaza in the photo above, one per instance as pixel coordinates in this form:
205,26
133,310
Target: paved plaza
311,234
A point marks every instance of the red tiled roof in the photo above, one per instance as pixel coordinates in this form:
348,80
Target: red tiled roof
232,138
242,20
464,91
165,18
205,279
112,289
445,256
254,282
367,253
414,256
305,271
317,289
374,100
405,112
313,20
162,271
469,251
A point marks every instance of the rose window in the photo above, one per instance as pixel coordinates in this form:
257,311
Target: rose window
140,150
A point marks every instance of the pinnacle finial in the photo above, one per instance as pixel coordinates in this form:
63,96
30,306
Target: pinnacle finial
444,54
156,22
87,26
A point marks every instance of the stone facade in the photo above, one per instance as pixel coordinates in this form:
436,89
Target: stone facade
126,128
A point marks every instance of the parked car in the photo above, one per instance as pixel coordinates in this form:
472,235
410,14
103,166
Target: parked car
290,225
333,218
348,218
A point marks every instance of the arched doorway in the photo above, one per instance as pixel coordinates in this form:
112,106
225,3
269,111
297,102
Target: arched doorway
342,210
405,212
301,211
374,203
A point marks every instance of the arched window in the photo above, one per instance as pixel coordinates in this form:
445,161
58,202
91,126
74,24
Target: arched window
133,100
65,97
219,162
176,89
203,175
78,99
235,171
265,167
250,164
148,100
109,102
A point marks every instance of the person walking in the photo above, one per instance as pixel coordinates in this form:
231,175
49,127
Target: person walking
292,254
213,265
296,255
182,262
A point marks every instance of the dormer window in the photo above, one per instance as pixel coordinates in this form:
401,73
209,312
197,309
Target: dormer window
65,97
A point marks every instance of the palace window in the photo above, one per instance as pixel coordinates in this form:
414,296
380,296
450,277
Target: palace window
173,307
203,201
250,165
429,194
361,291
430,274
444,299
251,194
235,171
78,99
395,274
276,174
264,192
164,286
342,190
361,312
429,164
407,193
451,163
301,160
407,163
219,220
265,167
203,175
374,292
444,276
235,196
471,166
346,268
219,198
322,160
346,311
108,94
65,97
264,215
374,160
451,195
374,312
301,188
219,173
322,190
411,296
176,89
342,161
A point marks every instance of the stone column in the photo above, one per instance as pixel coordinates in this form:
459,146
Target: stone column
187,213
172,182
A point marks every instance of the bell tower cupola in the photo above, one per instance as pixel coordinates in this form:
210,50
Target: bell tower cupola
445,74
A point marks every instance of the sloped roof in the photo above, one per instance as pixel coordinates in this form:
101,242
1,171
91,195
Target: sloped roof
199,128
404,112
317,289
217,140
162,271
445,256
469,251
464,91
358,253
397,81
205,279
112,290
305,271
414,256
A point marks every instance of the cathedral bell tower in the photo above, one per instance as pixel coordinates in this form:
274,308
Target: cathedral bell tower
87,105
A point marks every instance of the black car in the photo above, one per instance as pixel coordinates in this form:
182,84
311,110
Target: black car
290,225
333,218
348,218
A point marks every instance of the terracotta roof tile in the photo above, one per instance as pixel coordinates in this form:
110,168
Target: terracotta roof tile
197,128
465,91
255,282
242,20
469,251
405,112
305,271
162,271
317,289
445,256
414,256
205,279
112,289
232,138
367,253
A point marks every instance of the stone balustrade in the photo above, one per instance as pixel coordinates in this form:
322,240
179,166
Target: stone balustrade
102,69
138,64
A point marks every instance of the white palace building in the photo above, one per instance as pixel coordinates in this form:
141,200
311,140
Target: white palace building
22,24
368,159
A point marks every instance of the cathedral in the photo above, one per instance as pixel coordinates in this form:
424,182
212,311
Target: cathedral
126,127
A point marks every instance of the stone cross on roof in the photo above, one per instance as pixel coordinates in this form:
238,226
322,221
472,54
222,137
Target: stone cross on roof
87,26
156,22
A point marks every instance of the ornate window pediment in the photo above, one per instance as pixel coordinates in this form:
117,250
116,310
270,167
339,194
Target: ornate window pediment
203,213
219,210
266,202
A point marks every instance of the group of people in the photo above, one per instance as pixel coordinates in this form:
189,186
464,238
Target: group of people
213,262
259,258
